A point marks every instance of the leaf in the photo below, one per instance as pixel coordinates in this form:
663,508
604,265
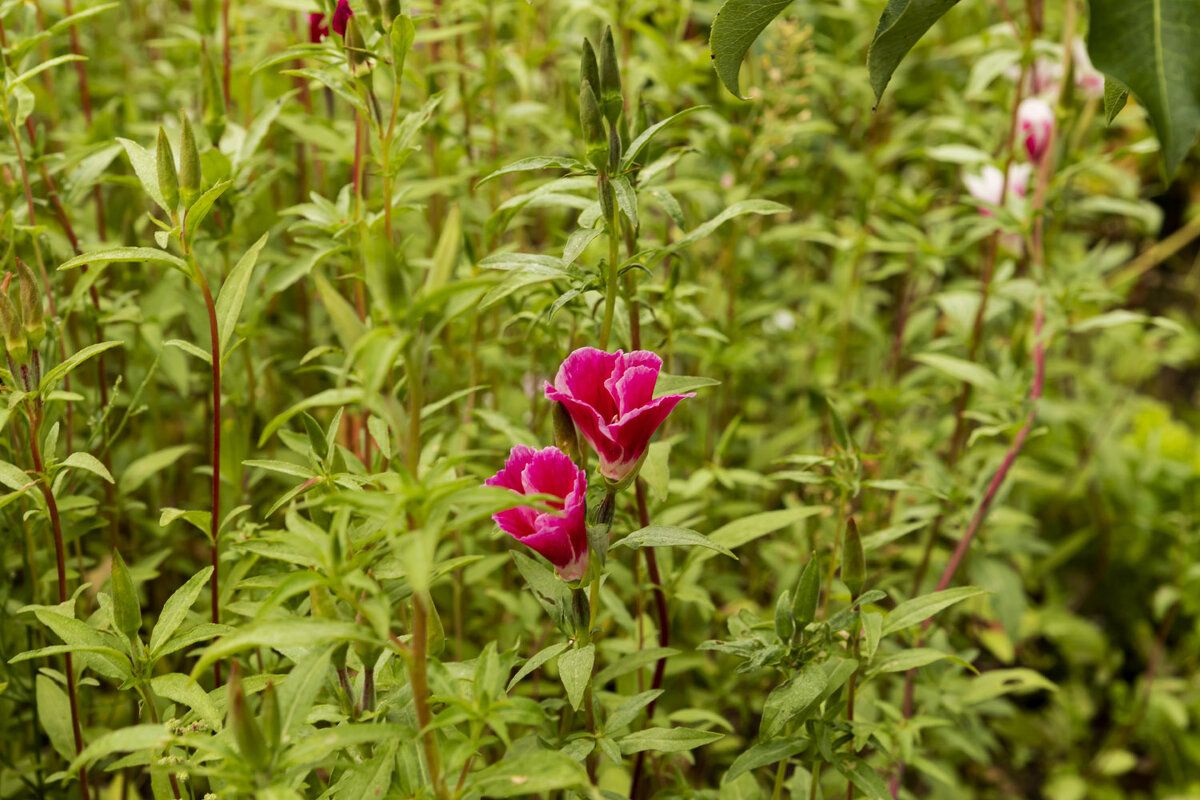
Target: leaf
738,209
634,661
123,740
575,670
14,477
536,661
330,397
401,38
287,633
919,609
866,780
126,608
736,26
346,324
667,740
643,139
681,384
1150,47
141,470
324,744
61,369
300,690
539,162
627,712
1115,97
233,291
1005,681
54,711
669,536
189,348
541,772
134,255
961,369
146,169
194,217
902,24
175,610
42,67
181,689
914,658
747,529
790,698
89,463
762,755
445,255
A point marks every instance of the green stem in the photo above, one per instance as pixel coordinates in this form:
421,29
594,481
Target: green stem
610,291
420,687
833,562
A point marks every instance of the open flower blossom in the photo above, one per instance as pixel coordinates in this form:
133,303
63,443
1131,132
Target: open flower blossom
560,536
988,184
610,397
317,29
1035,121
341,15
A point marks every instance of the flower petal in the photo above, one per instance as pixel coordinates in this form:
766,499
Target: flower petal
633,431
582,376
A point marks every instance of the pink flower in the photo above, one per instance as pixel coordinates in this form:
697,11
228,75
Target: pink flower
988,184
1089,80
561,537
1035,120
341,15
317,29
1042,77
610,397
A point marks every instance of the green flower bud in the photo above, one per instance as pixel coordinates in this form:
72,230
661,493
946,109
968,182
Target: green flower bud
190,173
168,180
374,9
854,572
14,335
31,304
808,590
589,69
214,98
785,623
593,127
355,46
391,10
610,79
246,731
614,150
566,438
268,713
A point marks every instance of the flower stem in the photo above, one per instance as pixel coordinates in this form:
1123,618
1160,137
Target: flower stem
664,627
420,687
610,291
35,425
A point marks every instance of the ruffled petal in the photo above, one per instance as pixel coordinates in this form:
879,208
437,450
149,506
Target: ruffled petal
633,431
582,376
518,522
635,388
589,423
549,472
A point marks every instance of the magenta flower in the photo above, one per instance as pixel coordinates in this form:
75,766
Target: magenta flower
559,536
341,15
317,29
1035,120
610,397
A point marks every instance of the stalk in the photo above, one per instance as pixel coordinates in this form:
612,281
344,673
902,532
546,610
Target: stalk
610,291
35,425
664,628
420,685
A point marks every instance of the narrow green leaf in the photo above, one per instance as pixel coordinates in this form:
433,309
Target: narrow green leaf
133,255
575,670
1115,97
763,754
127,609
644,138
667,740
903,23
194,217
175,610
919,609
142,469
535,661
89,463
233,291
669,536
61,369
146,169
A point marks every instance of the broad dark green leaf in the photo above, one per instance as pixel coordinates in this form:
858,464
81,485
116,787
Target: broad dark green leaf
903,23
736,26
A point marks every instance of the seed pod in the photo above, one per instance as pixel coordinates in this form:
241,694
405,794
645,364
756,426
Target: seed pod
566,438
15,342
610,79
168,179
807,592
246,731
854,572
190,174
355,45
589,69
31,304
593,127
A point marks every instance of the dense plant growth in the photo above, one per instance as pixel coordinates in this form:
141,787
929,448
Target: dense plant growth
479,399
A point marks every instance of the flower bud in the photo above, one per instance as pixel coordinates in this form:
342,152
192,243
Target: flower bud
593,127
391,10
317,28
31,304
1035,120
268,713
246,731
355,45
785,623
189,164
854,572
566,438
374,9
614,150
589,69
804,609
168,180
610,79
15,342
341,15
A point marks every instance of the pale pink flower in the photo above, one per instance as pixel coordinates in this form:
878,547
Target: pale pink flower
1089,80
987,185
610,397
560,536
1035,122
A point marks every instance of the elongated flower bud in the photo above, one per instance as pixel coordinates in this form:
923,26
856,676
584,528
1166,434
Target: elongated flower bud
593,128
391,10
854,572
31,304
610,79
10,327
589,68
246,730
566,438
808,590
355,45
190,175
168,179
374,9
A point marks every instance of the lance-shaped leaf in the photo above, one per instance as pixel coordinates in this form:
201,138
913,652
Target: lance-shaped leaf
903,23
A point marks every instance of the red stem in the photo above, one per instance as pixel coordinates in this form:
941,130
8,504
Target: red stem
225,55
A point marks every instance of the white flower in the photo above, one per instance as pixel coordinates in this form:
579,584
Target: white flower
987,185
1089,80
1035,121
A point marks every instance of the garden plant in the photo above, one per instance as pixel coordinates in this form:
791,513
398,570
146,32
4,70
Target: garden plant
623,399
